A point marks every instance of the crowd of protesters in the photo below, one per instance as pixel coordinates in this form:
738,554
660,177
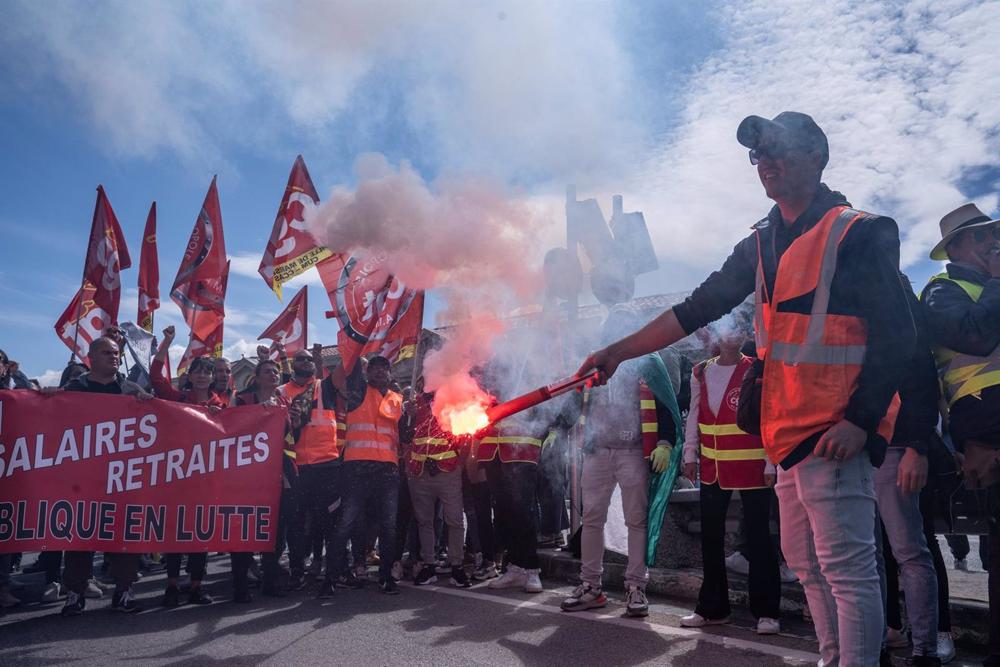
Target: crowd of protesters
855,399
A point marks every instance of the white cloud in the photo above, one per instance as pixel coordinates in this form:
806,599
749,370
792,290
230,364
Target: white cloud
903,90
49,378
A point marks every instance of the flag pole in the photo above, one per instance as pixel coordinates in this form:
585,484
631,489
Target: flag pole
83,279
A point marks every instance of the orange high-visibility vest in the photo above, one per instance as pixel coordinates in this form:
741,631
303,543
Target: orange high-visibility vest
811,360
430,443
730,457
373,428
512,447
317,442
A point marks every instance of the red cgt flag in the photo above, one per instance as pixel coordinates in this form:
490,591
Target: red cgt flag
95,305
211,345
149,274
291,248
199,287
376,311
289,328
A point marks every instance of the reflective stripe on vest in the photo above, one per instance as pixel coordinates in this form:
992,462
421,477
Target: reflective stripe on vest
811,360
964,374
648,423
317,441
511,448
373,435
430,443
730,457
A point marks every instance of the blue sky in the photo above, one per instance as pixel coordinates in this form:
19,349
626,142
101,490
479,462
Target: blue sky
642,98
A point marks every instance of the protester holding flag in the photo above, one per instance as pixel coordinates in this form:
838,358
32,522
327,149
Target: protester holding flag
103,378
196,390
313,414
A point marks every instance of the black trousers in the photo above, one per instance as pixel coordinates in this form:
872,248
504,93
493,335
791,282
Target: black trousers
197,564
513,487
993,494
317,496
927,510
79,567
764,580
404,515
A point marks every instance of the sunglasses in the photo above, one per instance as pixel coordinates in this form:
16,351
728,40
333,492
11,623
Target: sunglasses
774,152
991,232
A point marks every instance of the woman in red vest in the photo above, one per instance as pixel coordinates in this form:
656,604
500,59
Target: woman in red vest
730,460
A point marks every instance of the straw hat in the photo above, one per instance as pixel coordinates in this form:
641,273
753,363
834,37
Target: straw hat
962,218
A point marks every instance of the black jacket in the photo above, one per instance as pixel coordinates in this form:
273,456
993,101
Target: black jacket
957,322
919,391
866,285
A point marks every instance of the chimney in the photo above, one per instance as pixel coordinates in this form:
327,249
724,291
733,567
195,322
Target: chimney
616,206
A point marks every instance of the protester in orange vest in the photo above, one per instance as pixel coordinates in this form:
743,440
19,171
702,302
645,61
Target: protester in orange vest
370,470
435,474
834,332
731,460
313,405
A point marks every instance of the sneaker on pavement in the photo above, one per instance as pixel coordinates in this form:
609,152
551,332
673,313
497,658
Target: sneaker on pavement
397,571
442,566
326,590
124,602
197,595
696,620
945,647
636,604
52,593
786,574
75,604
350,581
389,586
361,571
584,596
172,597
896,638
486,571
532,582
459,578
427,575
738,564
7,600
514,577
961,565
768,626
93,591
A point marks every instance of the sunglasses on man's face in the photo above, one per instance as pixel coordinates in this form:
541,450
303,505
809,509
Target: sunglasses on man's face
992,232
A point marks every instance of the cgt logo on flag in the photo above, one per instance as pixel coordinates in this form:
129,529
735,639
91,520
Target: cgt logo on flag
369,300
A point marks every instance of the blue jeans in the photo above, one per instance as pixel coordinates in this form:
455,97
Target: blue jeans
905,529
362,481
828,538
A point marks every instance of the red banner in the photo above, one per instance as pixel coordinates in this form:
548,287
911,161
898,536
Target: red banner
290,327
291,249
149,274
95,305
376,311
91,472
198,286
211,345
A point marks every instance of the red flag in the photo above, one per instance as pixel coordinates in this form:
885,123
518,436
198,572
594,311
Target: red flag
376,311
289,328
198,288
210,345
291,248
149,274
95,305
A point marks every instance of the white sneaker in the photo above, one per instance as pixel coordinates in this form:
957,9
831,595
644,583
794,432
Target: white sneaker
696,620
93,591
961,565
532,582
514,577
945,647
786,574
768,626
52,592
896,638
397,571
738,564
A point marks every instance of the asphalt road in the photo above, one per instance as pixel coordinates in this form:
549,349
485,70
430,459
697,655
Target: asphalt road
436,625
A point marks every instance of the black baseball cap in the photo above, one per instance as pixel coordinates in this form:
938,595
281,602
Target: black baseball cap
798,129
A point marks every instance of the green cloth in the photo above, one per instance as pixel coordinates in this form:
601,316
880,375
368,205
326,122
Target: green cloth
661,484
